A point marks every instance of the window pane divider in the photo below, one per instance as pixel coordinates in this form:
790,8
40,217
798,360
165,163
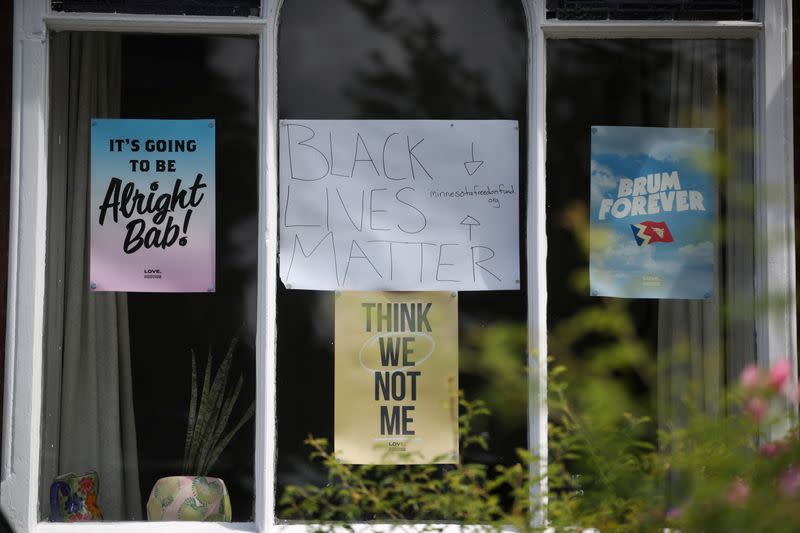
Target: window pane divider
135,23
638,29
266,341
536,251
775,290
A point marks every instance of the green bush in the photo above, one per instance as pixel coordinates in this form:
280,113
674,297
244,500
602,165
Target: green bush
727,481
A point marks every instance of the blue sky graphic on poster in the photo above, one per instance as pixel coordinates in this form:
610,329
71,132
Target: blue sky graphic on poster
653,212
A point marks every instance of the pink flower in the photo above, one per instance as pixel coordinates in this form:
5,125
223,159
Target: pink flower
771,449
738,493
779,373
789,482
750,377
792,394
757,407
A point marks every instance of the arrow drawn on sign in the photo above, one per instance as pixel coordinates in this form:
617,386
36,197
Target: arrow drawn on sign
472,165
469,222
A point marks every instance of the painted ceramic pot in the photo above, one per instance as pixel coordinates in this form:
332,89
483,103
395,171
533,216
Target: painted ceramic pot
195,498
73,498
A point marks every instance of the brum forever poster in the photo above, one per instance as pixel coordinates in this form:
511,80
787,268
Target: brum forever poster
653,212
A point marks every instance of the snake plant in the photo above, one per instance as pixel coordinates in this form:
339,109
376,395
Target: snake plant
210,409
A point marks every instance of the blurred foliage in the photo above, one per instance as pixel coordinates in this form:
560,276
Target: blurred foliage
466,492
727,482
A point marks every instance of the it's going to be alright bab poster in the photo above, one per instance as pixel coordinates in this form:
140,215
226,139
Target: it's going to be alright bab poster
396,377
152,205
653,205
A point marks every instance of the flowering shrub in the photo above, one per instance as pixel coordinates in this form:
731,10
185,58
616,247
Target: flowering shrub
727,476
737,479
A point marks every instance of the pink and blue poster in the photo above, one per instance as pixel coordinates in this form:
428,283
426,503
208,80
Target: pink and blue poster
152,205
653,212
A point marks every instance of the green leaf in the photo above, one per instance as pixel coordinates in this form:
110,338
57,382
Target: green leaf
224,442
216,400
210,413
192,416
222,423
202,415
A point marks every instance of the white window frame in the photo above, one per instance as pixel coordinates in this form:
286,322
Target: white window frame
33,19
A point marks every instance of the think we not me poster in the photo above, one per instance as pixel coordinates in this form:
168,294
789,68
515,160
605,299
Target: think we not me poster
653,212
396,377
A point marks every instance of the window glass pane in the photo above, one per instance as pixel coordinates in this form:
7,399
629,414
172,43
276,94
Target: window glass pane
649,357
236,8
118,366
650,9
402,59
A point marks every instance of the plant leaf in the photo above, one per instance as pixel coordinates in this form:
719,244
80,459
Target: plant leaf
192,415
202,416
222,423
216,401
211,427
215,453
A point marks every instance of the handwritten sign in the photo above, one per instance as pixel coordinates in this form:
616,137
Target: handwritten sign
653,203
152,205
396,377
399,205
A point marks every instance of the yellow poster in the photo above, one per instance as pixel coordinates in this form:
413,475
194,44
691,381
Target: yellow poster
396,384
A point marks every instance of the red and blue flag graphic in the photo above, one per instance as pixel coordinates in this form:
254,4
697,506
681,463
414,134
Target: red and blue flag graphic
650,232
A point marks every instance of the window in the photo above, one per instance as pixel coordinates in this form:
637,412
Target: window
456,60
688,350
553,54
123,368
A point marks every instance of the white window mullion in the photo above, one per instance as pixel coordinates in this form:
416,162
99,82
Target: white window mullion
19,485
536,244
266,412
776,330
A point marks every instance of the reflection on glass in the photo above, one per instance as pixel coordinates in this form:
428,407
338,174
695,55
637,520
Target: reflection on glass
402,59
118,369
234,8
650,9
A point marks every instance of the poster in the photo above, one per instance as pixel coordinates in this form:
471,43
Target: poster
399,205
152,205
653,212
396,377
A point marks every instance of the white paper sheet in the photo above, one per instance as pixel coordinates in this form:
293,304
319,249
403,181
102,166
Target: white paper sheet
399,205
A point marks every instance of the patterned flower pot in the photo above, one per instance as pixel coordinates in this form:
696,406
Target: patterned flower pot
73,498
196,498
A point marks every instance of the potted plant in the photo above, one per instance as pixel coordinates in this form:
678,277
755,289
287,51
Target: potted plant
194,495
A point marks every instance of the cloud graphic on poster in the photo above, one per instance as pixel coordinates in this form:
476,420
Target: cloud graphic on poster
603,180
700,253
669,144
624,254
616,252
